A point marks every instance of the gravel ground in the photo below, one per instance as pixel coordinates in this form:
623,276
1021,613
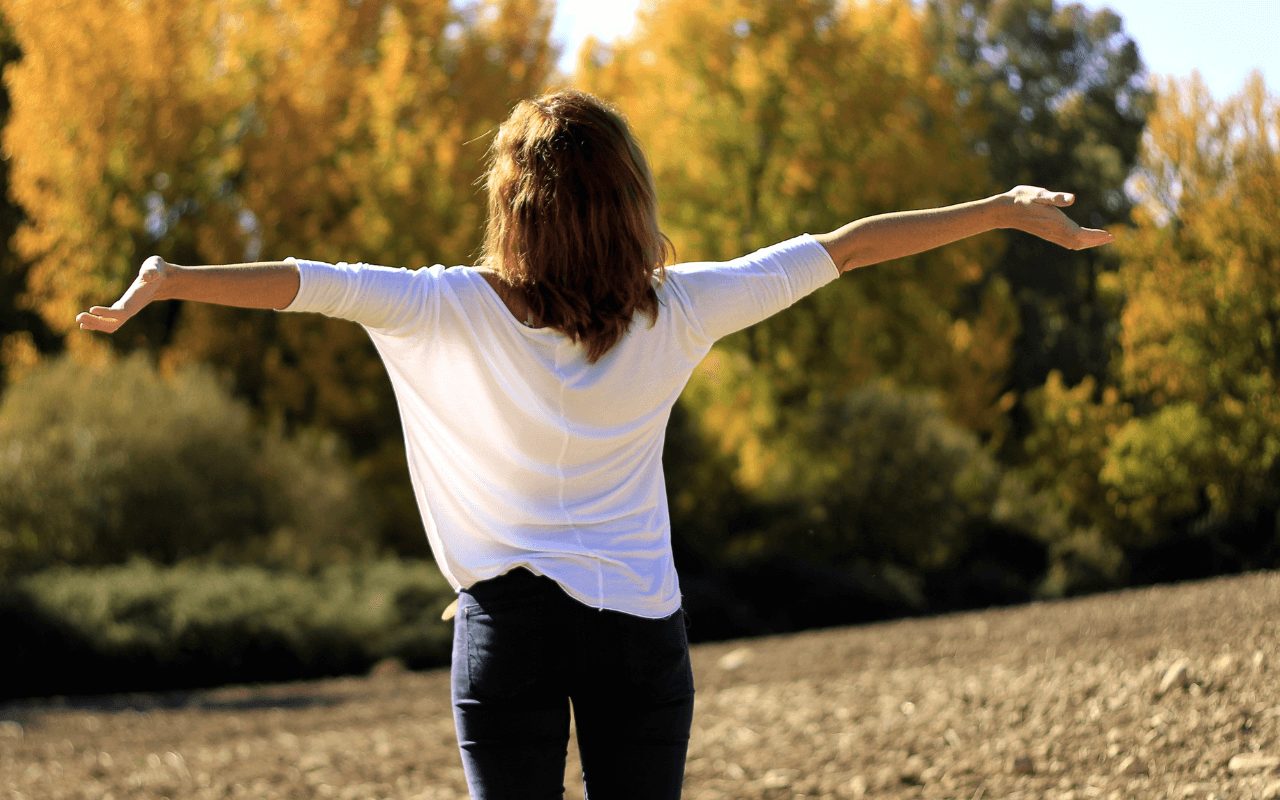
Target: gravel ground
1169,692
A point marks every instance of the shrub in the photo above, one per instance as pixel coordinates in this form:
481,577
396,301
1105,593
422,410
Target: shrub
906,506
100,463
144,626
1159,468
1084,561
884,475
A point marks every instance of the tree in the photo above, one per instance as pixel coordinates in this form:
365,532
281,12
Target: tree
765,119
333,130
100,464
1171,469
1061,92
22,333
1201,325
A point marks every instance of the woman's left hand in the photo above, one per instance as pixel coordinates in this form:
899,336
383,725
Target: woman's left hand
1037,211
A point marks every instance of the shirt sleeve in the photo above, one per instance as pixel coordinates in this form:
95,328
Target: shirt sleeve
386,299
724,297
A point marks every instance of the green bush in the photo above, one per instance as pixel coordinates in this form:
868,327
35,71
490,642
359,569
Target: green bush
1195,493
1159,470
1083,562
908,506
884,475
1079,560
101,463
144,626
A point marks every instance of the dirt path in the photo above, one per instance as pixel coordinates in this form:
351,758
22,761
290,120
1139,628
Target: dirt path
1058,700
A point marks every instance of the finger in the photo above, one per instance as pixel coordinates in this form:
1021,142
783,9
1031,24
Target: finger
1047,198
1093,237
92,322
105,311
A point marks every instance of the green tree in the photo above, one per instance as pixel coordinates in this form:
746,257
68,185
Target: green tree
1061,92
1072,427
881,475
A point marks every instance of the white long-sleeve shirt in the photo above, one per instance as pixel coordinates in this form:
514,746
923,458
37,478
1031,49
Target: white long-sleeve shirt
523,454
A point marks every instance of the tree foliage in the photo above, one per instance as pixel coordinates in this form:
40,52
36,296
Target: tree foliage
765,119
1138,389
23,336
220,131
881,475
1201,335
228,131
1062,97
1177,462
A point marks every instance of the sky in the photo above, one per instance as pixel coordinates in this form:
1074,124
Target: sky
1223,39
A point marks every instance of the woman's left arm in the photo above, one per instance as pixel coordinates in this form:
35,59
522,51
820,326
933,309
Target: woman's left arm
885,237
265,284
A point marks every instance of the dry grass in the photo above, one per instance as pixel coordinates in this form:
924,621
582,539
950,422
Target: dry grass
1058,700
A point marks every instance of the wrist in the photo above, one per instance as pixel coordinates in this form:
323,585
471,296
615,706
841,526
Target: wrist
167,279
999,210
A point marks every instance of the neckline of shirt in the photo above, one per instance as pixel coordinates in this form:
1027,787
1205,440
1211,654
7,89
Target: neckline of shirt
496,300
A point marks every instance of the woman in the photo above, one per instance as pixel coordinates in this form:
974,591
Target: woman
534,390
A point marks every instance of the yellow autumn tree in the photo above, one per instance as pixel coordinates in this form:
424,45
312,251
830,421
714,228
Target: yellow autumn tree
371,133
224,130
232,130
116,106
1172,470
763,120
1201,323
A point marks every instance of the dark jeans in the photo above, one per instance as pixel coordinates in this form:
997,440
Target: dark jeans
523,650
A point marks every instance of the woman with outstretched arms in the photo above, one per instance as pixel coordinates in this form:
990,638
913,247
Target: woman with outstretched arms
534,389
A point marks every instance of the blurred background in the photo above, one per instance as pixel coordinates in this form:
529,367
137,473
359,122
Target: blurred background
215,495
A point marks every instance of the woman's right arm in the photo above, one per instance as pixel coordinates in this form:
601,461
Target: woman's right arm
385,299
266,284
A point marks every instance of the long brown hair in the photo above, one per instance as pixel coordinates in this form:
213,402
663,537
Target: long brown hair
573,218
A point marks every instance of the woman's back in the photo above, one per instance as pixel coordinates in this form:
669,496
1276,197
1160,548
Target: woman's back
523,451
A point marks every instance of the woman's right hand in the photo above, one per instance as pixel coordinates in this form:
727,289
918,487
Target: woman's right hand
1037,211
145,288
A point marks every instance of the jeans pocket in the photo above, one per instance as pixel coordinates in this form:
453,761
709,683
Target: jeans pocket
658,659
509,651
